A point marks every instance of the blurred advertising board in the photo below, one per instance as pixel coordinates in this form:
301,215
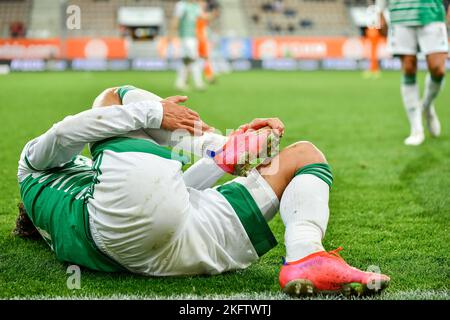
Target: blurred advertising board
30,49
236,48
95,48
273,53
314,48
72,48
228,48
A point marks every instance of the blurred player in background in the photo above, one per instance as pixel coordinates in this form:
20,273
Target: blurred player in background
373,35
209,12
418,25
184,25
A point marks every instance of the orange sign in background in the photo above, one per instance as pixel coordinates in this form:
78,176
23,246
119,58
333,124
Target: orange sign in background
72,48
313,48
95,48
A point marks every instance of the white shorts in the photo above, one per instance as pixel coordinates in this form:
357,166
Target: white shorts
144,217
410,40
189,48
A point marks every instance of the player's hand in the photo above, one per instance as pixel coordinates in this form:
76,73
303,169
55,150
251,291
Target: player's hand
274,123
177,117
177,99
383,25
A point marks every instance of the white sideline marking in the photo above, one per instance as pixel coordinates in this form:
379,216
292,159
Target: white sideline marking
443,294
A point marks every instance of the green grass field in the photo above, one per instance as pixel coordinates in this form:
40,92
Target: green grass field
390,204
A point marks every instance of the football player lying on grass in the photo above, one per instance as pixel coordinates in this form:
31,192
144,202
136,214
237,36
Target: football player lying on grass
133,208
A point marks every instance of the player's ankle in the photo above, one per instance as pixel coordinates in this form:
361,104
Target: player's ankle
300,251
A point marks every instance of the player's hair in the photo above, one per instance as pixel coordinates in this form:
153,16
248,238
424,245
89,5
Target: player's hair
212,5
446,4
24,226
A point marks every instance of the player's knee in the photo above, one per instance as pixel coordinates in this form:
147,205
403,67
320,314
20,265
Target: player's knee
437,71
409,66
306,153
104,98
410,69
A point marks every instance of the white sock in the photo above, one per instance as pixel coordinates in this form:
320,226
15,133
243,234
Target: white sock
197,145
197,76
431,91
411,102
182,75
304,211
203,174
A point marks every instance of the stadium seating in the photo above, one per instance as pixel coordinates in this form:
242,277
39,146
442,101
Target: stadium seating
249,17
11,12
99,17
298,17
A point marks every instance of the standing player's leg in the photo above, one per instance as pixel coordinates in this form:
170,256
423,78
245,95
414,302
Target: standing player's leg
411,99
182,75
403,43
434,43
204,56
196,63
434,81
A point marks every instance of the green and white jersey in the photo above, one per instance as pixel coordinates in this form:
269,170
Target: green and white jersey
56,183
55,200
187,12
414,12
131,207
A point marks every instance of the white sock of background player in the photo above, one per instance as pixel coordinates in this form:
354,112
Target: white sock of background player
182,76
196,68
411,102
433,86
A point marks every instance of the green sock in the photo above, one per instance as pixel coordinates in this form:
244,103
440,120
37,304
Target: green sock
409,79
320,170
436,79
433,86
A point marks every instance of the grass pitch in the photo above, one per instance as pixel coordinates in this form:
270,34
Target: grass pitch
390,204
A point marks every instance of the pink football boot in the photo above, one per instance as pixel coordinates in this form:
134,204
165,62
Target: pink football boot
246,149
327,272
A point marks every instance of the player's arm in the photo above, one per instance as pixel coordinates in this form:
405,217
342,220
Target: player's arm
68,137
383,24
381,6
175,21
448,12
